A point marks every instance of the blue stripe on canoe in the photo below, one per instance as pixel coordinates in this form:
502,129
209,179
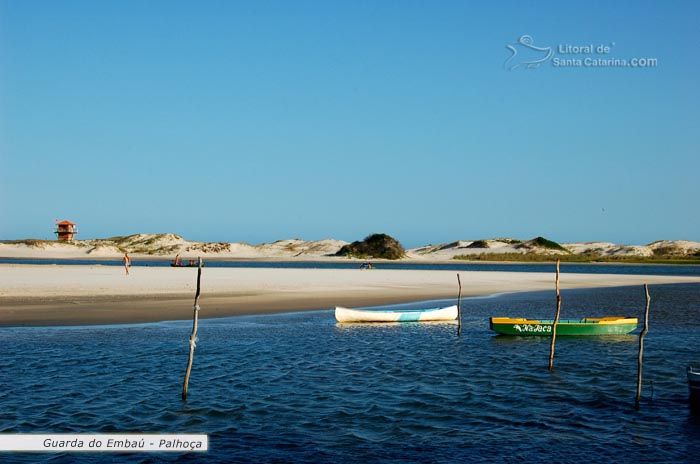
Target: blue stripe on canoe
410,317
413,315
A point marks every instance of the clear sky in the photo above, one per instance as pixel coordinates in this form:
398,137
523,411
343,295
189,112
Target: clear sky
263,120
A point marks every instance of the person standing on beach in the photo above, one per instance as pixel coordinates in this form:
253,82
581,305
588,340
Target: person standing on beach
127,262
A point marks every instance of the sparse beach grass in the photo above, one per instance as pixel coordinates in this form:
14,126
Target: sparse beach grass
580,258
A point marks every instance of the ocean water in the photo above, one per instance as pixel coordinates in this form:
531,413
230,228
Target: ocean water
298,387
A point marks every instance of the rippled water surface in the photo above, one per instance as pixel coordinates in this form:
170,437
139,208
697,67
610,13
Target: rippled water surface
300,388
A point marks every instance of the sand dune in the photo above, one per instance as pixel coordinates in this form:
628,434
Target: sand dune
166,246
501,246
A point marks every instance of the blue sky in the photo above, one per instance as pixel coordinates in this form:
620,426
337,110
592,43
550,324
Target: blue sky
257,121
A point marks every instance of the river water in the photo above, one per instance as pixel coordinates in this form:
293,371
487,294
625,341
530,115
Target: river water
299,387
577,268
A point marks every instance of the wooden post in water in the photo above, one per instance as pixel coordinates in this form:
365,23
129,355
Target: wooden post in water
556,321
459,307
193,337
642,334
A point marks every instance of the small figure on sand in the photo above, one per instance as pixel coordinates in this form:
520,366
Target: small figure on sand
177,260
127,263
366,265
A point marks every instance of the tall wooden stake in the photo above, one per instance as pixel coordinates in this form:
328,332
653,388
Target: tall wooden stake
641,348
459,307
193,337
556,321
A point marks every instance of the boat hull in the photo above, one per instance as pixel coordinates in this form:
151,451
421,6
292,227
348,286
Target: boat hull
574,327
347,315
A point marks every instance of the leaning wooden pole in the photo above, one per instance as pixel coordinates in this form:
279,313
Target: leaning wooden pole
642,334
556,321
193,337
459,307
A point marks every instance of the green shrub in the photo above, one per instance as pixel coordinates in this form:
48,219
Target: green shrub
543,243
379,246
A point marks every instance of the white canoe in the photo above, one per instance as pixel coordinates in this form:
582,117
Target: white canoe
413,315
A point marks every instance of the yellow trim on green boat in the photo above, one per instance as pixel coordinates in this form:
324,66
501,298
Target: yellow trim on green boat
585,320
614,320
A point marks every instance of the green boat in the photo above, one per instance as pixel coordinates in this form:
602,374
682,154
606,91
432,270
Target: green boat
543,327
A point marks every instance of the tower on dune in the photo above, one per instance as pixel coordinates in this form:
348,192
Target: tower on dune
65,230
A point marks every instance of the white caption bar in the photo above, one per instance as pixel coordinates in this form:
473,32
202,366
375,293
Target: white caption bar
138,442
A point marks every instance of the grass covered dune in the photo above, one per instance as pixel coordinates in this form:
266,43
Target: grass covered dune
74,295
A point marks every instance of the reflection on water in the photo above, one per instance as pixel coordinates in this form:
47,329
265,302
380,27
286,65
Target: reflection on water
397,325
629,338
302,388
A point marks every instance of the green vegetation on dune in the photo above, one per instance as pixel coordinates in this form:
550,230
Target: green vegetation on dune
142,239
378,246
447,246
41,243
28,242
580,258
509,241
541,242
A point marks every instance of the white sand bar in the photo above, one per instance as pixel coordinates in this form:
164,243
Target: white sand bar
60,294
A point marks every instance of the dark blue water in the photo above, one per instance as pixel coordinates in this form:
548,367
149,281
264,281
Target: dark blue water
300,388
593,268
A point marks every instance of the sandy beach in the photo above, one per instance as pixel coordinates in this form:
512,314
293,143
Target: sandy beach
34,295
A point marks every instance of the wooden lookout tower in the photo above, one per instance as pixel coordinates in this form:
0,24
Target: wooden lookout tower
65,230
